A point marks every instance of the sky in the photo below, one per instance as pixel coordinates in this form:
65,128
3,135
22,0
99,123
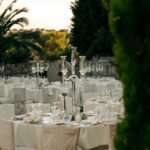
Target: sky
48,14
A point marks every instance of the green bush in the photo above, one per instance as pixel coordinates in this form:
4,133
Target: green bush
130,24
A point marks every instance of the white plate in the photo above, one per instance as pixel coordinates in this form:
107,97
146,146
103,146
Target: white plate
46,114
89,113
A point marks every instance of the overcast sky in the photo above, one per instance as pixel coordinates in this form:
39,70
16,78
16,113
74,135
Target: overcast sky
49,14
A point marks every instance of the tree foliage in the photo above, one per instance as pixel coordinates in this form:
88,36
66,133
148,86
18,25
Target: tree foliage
53,43
11,42
18,46
89,31
130,25
22,44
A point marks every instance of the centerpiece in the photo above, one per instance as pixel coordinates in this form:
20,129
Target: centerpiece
73,75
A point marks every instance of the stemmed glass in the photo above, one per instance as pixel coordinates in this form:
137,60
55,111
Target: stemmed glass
55,112
54,107
36,108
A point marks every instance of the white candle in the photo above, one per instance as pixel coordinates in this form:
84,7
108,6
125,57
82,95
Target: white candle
63,59
38,67
82,58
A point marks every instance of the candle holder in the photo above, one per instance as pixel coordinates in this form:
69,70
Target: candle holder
63,67
73,63
73,59
73,77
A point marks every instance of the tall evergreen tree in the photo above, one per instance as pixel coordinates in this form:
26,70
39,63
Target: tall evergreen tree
89,31
130,25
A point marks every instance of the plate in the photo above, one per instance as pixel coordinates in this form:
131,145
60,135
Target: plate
89,113
46,114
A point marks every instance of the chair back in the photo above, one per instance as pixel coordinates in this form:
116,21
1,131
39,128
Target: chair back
45,108
2,90
59,137
112,132
7,111
6,135
19,93
19,99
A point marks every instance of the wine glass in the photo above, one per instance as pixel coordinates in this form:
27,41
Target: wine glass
56,111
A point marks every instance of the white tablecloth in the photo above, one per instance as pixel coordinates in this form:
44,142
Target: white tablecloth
29,135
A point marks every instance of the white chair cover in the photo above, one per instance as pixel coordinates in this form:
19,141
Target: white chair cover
2,90
60,138
45,108
6,135
19,93
19,99
112,131
3,99
86,96
7,111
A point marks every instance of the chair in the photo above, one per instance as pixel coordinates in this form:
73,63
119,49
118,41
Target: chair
7,111
6,135
3,99
112,131
45,108
101,147
19,99
59,137
87,95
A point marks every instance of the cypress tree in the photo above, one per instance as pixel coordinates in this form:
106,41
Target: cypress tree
130,25
89,30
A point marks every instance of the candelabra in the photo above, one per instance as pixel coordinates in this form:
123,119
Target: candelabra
73,76
37,70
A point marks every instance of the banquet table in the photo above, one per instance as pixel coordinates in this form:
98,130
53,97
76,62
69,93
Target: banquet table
30,135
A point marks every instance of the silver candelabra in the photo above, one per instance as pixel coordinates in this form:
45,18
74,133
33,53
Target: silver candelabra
73,76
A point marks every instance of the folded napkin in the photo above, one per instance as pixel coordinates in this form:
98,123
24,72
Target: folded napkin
18,117
32,119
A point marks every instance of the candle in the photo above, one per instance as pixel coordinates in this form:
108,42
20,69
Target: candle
63,59
82,58
73,54
38,67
